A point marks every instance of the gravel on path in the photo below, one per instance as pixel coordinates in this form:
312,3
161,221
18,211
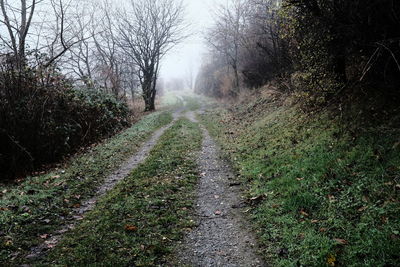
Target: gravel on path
222,237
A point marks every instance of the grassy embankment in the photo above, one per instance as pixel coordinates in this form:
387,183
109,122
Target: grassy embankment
321,195
37,206
139,221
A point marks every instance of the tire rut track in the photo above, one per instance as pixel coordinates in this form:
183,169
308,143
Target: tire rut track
77,214
222,237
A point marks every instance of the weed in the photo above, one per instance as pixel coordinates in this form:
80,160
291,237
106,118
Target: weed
39,205
139,221
331,196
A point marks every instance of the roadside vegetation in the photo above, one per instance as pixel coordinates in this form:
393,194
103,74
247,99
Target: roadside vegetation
321,194
310,117
139,222
66,78
308,113
34,207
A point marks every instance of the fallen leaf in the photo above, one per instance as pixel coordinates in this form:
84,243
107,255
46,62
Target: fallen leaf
50,244
299,179
362,208
55,176
77,206
341,241
314,221
302,212
331,260
218,212
322,230
130,228
59,183
45,236
257,199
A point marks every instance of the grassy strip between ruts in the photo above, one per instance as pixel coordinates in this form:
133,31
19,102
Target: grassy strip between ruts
140,220
322,196
31,210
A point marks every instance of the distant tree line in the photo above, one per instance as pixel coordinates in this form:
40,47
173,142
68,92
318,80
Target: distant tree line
323,50
69,67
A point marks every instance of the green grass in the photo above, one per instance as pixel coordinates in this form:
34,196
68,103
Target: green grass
38,205
171,99
184,98
330,197
154,202
193,102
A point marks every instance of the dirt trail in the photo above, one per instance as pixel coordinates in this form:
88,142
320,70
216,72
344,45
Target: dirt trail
77,214
222,237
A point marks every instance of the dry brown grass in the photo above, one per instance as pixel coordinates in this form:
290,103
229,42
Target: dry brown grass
137,108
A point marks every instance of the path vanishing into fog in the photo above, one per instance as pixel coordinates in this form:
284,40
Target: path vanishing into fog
222,236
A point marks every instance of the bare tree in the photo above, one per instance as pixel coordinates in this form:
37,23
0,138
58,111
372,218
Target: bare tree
129,81
190,77
148,31
17,27
82,59
227,35
108,51
19,19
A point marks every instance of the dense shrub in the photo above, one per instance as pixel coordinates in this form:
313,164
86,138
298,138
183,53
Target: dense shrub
43,118
340,46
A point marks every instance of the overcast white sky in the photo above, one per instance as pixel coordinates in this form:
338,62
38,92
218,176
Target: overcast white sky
188,55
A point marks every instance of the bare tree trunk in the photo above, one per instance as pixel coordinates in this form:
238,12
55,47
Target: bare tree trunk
237,81
149,32
147,92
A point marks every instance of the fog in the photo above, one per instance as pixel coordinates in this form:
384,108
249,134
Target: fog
186,57
181,62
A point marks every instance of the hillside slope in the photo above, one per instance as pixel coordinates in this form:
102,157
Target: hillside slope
321,195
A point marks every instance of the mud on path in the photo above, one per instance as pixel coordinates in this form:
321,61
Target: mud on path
222,237
77,214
